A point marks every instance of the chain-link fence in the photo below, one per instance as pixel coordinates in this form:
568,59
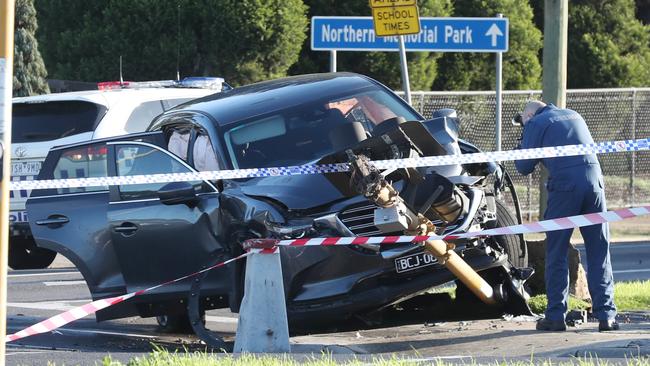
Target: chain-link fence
612,114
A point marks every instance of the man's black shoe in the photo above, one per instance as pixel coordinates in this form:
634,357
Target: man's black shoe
607,325
551,325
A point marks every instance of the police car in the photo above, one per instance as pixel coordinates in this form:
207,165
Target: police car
41,122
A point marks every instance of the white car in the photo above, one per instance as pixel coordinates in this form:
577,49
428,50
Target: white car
44,121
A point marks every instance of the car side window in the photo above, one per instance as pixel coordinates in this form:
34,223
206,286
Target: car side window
89,161
147,160
142,115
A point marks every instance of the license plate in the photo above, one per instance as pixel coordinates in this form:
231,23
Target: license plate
414,261
25,168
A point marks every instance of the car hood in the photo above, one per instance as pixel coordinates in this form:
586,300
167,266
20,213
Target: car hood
298,192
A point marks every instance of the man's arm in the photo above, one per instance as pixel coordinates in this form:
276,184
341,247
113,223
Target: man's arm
531,138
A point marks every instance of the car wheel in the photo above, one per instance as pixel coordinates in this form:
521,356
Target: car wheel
175,323
24,254
513,245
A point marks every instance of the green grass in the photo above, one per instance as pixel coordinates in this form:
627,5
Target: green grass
164,358
628,296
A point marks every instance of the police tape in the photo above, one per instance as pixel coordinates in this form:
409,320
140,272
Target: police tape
425,161
271,246
570,222
82,311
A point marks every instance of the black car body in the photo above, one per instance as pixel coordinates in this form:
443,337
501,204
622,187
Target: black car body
126,238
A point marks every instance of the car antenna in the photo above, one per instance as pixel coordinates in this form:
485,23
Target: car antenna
178,43
121,79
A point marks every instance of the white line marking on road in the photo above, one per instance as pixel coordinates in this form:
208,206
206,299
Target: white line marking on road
104,332
26,352
46,305
220,319
34,347
64,283
40,274
632,271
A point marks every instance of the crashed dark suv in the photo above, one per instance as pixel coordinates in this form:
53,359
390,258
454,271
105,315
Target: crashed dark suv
129,237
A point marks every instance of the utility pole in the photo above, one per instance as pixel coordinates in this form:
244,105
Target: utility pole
6,82
556,24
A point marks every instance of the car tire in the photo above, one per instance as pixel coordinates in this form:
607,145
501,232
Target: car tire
174,323
24,254
513,245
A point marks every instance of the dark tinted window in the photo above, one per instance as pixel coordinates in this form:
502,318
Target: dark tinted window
145,160
82,162
34,122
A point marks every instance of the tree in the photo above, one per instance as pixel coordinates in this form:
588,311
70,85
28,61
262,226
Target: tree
383,66
29,69
608,46
242,40
476,71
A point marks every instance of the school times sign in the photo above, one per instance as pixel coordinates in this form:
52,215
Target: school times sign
395,17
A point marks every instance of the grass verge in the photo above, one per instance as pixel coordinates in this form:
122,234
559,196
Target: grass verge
164,358
629,296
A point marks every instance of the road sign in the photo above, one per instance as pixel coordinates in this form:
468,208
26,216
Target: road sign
436,35
385,3
397,20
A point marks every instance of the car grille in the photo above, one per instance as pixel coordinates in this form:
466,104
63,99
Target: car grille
360,219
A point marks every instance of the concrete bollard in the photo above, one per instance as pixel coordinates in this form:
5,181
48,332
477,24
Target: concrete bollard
263,325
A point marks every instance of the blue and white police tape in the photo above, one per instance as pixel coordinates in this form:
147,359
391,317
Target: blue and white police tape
426,161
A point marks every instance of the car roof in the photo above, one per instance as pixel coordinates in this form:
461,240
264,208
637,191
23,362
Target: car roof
265,97
110,97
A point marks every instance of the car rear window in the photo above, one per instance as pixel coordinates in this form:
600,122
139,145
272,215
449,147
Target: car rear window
35,122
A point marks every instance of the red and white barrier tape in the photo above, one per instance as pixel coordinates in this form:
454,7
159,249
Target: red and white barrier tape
82,311
562,223
271,245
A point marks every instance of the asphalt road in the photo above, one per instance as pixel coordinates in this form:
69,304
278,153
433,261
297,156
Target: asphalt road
630,261
36,295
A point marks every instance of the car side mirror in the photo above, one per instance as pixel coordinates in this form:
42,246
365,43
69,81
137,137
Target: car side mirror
517,120
175,193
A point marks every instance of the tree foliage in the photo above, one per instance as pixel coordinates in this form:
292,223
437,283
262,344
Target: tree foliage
383,66
476,71
242,40
29,69
608,45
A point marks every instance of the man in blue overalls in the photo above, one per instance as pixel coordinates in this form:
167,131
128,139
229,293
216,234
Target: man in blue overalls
575,186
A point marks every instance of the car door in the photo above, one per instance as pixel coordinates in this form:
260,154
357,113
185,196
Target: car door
72,221
161,239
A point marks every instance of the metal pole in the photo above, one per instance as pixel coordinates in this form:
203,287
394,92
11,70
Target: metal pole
405,70
6,67
498,91
632,173
333,61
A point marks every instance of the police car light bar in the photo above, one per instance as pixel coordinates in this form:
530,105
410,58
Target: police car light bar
188,82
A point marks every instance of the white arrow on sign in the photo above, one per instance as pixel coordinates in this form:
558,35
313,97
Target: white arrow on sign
494,31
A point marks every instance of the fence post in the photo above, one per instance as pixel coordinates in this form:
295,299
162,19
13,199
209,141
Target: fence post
632,173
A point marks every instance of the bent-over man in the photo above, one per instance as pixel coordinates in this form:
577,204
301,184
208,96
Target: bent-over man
575,186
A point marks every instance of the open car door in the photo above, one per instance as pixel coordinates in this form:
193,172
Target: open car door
163,231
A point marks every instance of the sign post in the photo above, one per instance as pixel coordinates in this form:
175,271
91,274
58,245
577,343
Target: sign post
6,67
397,18
494,32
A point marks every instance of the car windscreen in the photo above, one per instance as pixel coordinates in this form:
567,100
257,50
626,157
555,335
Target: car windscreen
305,133
35,122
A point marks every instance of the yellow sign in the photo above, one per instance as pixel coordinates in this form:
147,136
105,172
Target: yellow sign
385,3
394,21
